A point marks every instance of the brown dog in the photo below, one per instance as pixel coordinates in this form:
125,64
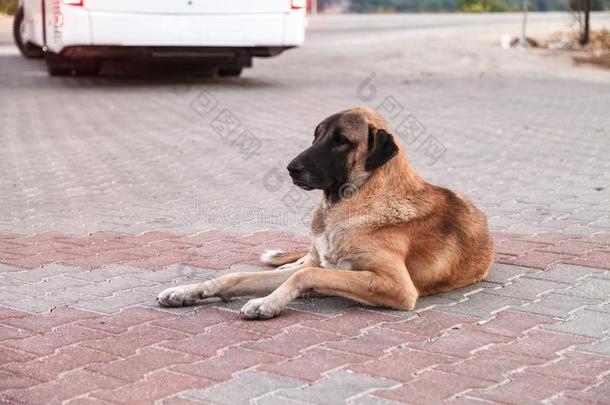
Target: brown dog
381,235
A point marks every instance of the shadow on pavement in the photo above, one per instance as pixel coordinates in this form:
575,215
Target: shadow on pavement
14,68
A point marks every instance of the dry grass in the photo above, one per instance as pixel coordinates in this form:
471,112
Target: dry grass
597,52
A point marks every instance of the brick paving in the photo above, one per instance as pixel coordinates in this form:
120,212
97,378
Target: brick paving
110,194
92,332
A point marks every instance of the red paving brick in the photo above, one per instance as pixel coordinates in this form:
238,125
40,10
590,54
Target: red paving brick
514,324
141,355
46,322
127,318
401,365
597,258
541,260
350,323
221,367
146,360
542,344
7,333
292,341
131,341
8,355
596,395
68,385
213,339
430,323
579,366
196,323
156,386
432,387
461,342
572,247
288,318
527,388
490,365
62,360
312,363
8,313
218,262
517,247
375,341
47,343
10,380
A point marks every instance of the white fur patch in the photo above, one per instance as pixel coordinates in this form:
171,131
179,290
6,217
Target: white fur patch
268,255
322,246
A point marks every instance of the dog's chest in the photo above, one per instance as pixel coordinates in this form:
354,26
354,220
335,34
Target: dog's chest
329,253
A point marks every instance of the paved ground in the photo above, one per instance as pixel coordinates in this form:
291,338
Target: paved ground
114,188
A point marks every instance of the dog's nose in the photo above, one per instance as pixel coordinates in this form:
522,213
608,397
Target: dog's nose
295,168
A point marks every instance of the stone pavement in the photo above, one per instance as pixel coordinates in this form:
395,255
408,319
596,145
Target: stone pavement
114,188
79,324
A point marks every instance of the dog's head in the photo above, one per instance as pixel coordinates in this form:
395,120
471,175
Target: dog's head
347,148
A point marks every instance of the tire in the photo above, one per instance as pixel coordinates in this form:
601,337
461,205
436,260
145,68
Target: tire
230,71
27,49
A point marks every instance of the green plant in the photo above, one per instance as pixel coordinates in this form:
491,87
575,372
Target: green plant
483,6
8,6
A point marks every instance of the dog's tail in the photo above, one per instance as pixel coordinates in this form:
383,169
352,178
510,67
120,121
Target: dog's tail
278,257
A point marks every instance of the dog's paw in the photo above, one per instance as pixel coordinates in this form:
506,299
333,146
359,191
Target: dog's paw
177,296
259,308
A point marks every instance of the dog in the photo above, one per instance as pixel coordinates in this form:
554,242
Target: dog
381,235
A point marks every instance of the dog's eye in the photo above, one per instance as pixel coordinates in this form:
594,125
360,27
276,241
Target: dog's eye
340,140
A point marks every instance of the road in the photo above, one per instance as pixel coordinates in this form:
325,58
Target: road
116,187
525,132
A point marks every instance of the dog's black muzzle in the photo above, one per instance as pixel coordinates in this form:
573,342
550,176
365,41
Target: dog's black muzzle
305,173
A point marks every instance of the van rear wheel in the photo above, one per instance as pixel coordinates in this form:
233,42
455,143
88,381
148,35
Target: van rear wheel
27,49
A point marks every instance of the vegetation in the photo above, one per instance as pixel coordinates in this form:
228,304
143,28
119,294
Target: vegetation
8,6
389,6
484,6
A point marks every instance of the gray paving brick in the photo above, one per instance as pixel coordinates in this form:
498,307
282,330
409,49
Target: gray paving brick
8,281
59,283
590,288
504,273
564,273
432,301
482,305
372,400
177,272
327,306
8,295
273,400
528,288
5,268
112,286
584,322
604,307
461,293
114,304
45,272
557,305
45,303
107,272
602,347
242,389
336,388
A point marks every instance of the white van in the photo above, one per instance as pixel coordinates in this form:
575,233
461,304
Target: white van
75,36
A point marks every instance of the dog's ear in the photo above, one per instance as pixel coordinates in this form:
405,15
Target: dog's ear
381,148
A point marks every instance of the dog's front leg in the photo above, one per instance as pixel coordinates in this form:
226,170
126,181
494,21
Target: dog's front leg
230,285
367,287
